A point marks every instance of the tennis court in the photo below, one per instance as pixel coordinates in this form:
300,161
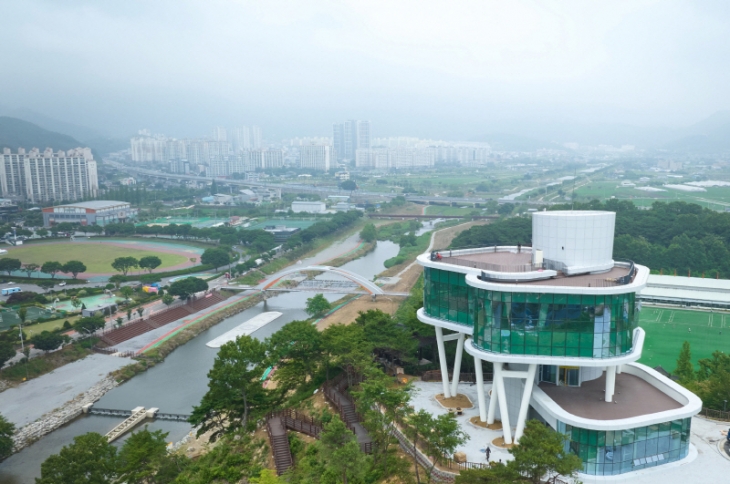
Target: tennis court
666,330
199,222
9,317
300,224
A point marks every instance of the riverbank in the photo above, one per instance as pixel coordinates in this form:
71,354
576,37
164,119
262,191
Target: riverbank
41,405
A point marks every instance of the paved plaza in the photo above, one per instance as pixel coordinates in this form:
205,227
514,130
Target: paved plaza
707,462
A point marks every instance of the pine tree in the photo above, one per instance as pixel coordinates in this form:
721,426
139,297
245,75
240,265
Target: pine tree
685,370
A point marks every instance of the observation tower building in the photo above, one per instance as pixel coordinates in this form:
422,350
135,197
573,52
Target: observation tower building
558,321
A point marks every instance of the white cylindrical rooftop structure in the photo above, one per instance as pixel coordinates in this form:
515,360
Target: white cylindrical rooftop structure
575,242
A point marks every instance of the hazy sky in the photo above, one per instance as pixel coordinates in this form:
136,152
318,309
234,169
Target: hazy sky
452,69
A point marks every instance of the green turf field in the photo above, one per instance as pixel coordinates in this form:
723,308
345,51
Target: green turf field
666,330
97,257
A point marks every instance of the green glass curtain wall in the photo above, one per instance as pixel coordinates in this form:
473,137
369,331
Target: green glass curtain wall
446,296
584,326
606,453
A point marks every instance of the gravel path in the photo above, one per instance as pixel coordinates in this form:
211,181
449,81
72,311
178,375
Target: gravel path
30,400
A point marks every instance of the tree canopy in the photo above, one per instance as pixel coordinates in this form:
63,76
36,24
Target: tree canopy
150,263
52,267
74,267
47,341
369,233
235,398
143,459
9,265
125,264
215,257
184,288
90,458
317,305
7,429
89,324
542,455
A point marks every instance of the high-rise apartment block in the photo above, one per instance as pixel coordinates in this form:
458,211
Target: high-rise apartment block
350,136
316,157
398,158
266,159
48,176
147,148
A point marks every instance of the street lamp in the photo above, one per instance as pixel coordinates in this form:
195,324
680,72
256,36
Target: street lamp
724,405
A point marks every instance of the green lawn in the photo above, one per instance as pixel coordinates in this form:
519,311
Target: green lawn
48,325
444,210
667,329
715,198
96,257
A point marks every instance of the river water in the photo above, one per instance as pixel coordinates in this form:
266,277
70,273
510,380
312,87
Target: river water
179,382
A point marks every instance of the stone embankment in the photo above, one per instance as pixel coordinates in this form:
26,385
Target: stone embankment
52,420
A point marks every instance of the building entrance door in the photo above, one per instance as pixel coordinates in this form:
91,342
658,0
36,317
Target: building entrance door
569,376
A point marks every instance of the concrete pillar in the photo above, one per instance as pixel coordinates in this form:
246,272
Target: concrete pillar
619,368
480,390
442,360
457,364
501,396
610,383
492,403
525,404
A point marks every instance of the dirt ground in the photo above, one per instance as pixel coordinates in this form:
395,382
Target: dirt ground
444,237
348,313
476,420
407,279
459,401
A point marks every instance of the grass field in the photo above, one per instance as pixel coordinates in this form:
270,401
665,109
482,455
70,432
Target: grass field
666,330
96,256
715,198
444,210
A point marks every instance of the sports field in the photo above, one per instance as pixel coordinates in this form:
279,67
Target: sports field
666,330
301,224
199,222
98,254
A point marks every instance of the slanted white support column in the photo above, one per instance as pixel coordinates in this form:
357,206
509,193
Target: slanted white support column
501,396
442,360
492,402
480,390
525,404
610,382
457,364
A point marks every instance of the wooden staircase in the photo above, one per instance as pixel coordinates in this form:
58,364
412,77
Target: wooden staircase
279,442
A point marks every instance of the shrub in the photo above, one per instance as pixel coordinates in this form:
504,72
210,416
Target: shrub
21,297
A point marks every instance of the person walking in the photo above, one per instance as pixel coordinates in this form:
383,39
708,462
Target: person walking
488,452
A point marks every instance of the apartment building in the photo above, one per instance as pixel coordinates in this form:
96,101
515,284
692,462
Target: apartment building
48,176
316,157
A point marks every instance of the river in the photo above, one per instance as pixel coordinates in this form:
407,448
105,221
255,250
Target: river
179,382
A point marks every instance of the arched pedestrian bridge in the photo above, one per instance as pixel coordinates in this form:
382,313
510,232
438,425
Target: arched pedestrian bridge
367,285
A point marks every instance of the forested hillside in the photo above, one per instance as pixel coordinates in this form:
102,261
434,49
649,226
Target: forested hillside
677,236
16,133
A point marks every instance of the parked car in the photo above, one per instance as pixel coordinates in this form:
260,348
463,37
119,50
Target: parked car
62,284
